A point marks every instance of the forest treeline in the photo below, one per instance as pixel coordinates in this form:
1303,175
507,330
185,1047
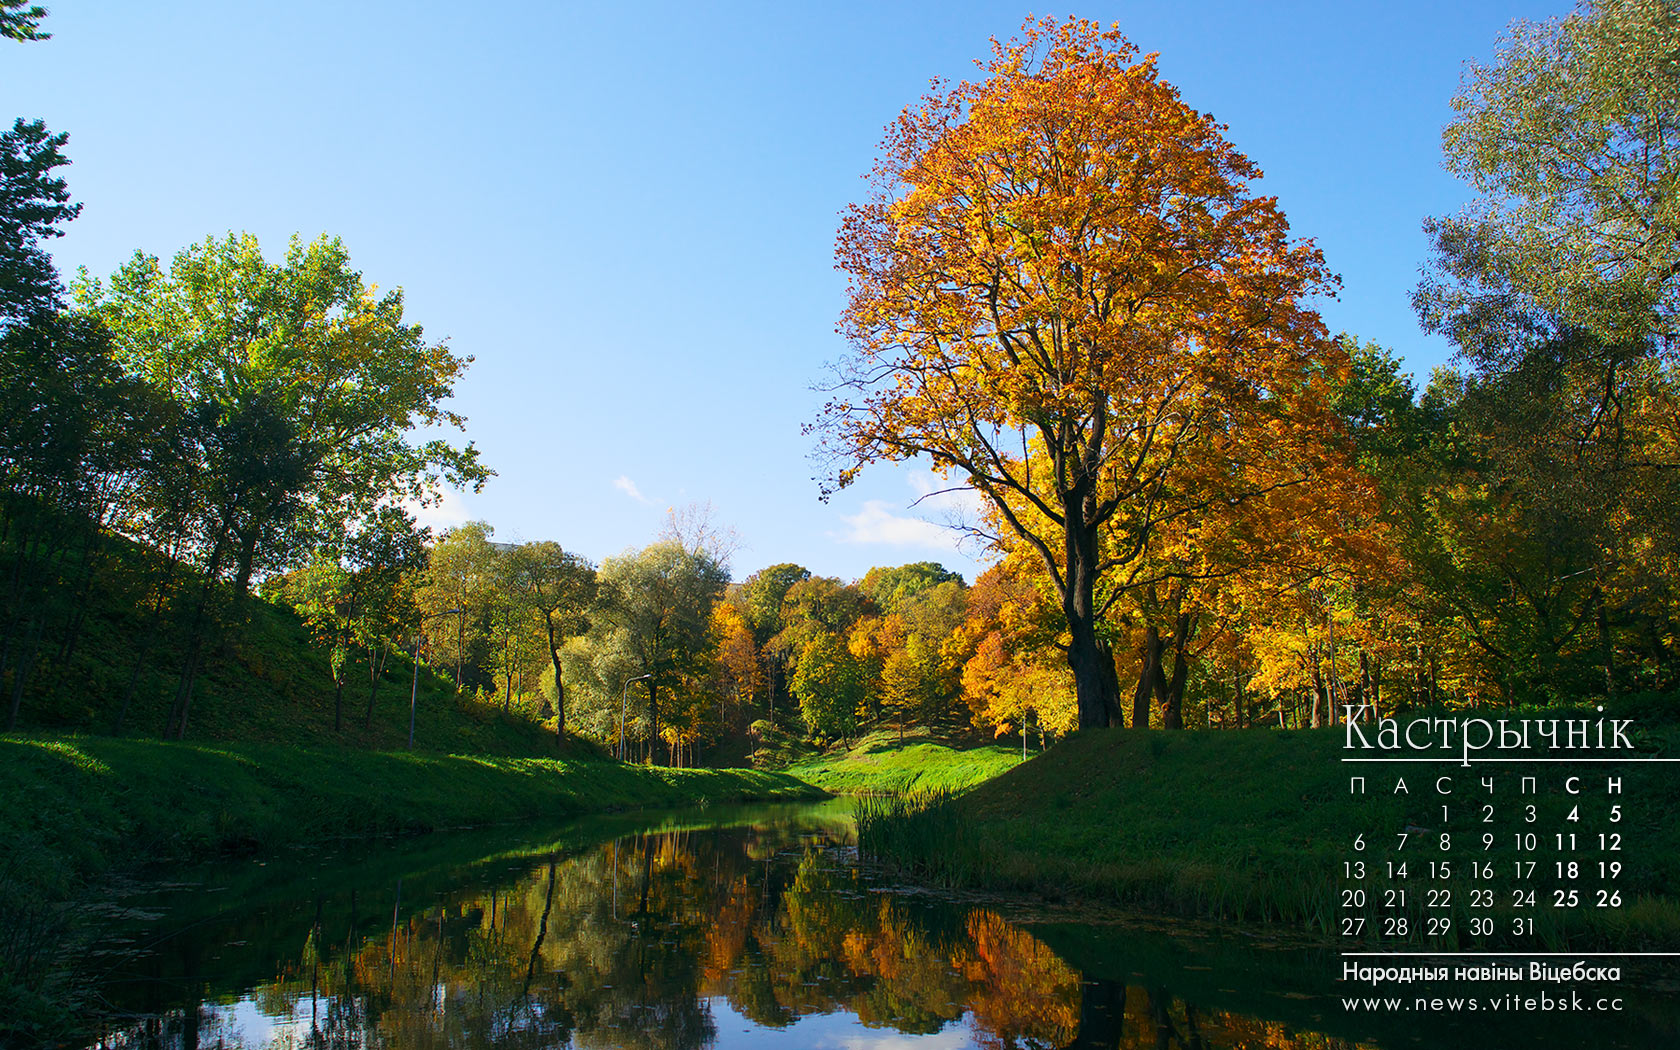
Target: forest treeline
1206,512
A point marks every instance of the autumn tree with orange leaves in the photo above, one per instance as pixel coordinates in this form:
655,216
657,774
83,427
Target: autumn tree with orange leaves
1062,291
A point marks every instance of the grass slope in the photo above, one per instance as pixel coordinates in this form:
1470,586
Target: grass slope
78,805
879,765
1257,826
264,678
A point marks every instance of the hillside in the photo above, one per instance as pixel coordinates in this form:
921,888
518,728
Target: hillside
265,681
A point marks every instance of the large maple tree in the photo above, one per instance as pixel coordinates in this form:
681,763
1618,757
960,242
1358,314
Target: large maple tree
1063,292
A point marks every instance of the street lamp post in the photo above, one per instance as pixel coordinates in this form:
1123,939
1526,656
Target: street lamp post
623,708
414,690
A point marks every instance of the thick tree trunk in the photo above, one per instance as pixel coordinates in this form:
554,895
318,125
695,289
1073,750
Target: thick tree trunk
1095,683
1147,675
1171,691
245,566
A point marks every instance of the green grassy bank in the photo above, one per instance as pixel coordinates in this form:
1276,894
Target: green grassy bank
83,804
1258,826
879,764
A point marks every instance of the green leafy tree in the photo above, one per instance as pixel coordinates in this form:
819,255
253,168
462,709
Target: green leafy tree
319,378
561,588
653,618
888,587
1560,287
34,203
456,592
820,606
759,598
80,447
829,684
21,20
1568,137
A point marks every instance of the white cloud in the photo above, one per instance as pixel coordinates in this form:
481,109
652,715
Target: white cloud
628,487
876,523
449,511
941,498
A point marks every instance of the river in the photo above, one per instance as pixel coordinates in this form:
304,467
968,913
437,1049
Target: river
729,928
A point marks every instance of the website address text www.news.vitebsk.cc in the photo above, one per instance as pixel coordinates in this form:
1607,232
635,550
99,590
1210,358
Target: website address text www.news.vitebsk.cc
1513,1003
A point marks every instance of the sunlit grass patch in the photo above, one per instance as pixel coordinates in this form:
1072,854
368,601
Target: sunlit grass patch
74,754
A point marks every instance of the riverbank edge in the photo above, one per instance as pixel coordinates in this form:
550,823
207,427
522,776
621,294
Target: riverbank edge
78,806
1249,827
879,764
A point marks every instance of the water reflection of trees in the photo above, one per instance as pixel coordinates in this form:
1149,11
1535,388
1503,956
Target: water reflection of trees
630,944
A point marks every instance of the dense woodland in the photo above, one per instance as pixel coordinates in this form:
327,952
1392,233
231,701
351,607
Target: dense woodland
1206,511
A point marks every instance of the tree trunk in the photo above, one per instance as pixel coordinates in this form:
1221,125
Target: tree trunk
559,686
376,671
1146,677
1317,697
507,672
1102,1015
20,675
1171,692
653,718
1089,657
246,564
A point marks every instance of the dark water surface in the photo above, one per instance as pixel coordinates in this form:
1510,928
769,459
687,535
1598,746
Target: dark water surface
724,928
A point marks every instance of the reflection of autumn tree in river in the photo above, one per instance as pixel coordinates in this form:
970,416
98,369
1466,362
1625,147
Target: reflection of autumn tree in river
629,944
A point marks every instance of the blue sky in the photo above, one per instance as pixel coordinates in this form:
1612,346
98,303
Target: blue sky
626,213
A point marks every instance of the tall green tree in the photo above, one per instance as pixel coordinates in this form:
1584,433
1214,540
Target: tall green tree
653,619
828,682
561,588
34,204
456,593
324,377
1569,139
1560,286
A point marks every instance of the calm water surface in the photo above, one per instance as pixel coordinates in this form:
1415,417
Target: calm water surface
741,928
